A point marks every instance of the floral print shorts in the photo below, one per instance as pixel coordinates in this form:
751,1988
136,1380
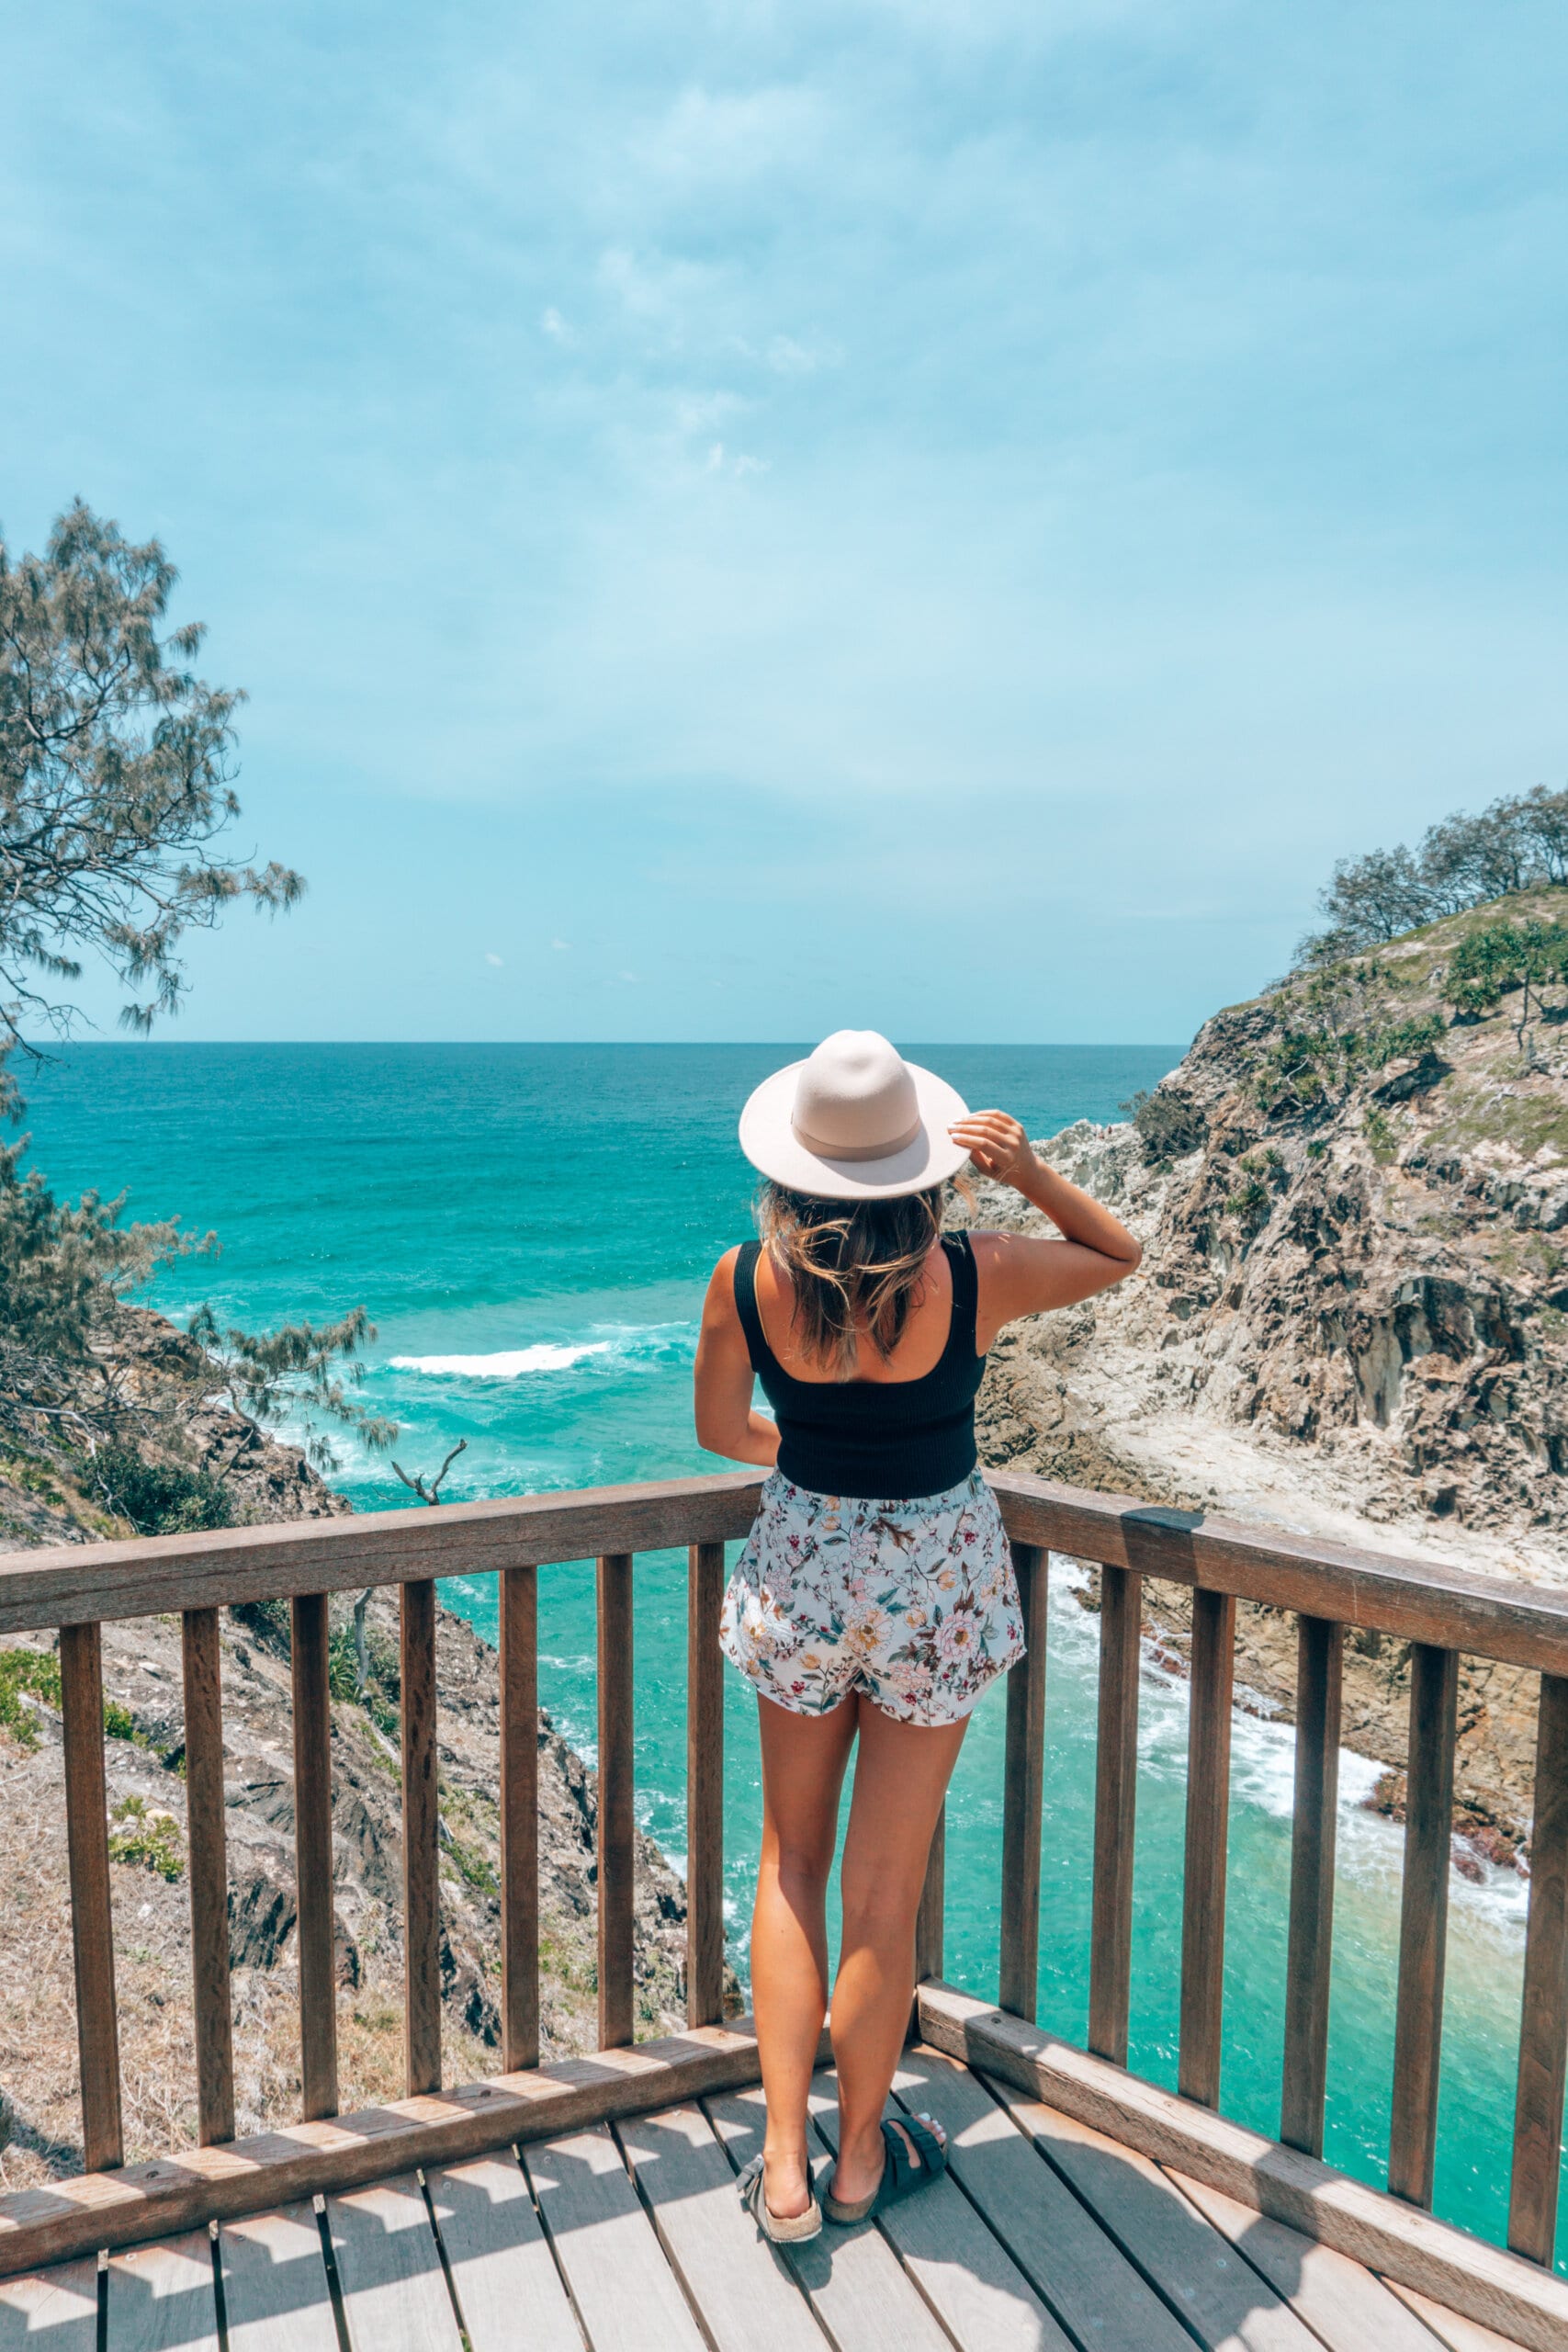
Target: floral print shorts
914,1603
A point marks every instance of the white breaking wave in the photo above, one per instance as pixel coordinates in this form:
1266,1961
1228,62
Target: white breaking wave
507,1364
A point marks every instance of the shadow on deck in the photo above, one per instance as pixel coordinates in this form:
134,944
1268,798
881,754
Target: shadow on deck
1047,2236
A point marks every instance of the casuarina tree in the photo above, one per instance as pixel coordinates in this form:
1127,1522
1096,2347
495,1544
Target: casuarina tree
116,779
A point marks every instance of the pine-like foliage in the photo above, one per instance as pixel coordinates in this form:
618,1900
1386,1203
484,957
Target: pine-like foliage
115,777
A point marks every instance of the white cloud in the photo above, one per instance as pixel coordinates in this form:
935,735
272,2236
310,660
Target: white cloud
561,945
785,356
702,411
556,327
491,957
735,136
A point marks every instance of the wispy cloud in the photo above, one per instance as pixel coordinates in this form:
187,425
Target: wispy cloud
1084,443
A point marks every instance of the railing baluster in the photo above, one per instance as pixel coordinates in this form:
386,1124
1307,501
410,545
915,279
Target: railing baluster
1320,1657
205,1828
1024,1774
92,1920
617,1820
520,1817
1208,1814
1423,1922
421,1885
704,1786
313,1854
1115,1806
1543,2026
930,1918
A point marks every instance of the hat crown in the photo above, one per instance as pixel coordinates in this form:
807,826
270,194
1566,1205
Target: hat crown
855,1097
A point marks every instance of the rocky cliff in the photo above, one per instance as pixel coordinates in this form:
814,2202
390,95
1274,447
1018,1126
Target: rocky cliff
1352,1319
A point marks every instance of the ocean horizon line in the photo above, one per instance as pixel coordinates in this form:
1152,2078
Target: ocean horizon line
55,1046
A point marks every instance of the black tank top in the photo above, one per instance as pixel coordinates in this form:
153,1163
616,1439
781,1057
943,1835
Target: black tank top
891,1439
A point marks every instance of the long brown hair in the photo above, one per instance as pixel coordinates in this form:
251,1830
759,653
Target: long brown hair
846,1259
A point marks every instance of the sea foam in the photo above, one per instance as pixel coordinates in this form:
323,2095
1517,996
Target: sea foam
507,1364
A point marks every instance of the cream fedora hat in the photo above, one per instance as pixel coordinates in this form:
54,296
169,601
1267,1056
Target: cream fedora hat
853,1122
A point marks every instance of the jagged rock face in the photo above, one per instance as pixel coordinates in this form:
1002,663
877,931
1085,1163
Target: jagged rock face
1369,1278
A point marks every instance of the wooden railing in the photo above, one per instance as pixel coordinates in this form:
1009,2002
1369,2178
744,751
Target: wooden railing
1441,1612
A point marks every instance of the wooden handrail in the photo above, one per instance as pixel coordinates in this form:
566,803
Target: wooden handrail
1440,1611
1413,1600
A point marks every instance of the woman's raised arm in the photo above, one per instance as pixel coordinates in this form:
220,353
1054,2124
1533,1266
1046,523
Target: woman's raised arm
1020,1275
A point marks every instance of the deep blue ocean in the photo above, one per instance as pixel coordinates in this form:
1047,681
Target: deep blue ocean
531,1228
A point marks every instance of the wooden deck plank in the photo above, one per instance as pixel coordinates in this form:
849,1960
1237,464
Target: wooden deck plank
1458,2334
388,2267
504,2273
854,2280
969,2278
142,2202
161,2298
1083,2276
740,2284
1500,2289
1222,2300
1341,2300
626,2295
53,2311
275,2296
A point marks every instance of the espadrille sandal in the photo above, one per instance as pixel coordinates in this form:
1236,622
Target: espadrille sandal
785,2229
901,2175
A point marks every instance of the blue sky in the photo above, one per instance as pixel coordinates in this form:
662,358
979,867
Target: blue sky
737,518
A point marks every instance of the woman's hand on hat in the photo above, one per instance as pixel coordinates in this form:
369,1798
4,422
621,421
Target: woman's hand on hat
997,1146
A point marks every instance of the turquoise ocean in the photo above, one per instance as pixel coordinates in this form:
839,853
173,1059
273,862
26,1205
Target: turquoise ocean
531,1228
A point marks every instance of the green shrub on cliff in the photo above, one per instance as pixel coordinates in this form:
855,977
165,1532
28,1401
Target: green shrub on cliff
1494,959
159,1497
147,1834
1169,1125
27,1674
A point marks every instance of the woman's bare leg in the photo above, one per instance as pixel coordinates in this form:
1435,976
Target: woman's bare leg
901,1776
803,1772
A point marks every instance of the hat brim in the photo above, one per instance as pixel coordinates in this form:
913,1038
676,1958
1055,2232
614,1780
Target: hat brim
772,1144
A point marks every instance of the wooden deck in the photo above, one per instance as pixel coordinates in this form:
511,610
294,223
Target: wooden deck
629,2237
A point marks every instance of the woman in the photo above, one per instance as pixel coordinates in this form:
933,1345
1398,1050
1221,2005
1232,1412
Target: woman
875,1596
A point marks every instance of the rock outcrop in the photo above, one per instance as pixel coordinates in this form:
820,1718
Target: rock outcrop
1352,1319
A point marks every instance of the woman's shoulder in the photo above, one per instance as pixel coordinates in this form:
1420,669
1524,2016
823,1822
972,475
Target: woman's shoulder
721,1281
